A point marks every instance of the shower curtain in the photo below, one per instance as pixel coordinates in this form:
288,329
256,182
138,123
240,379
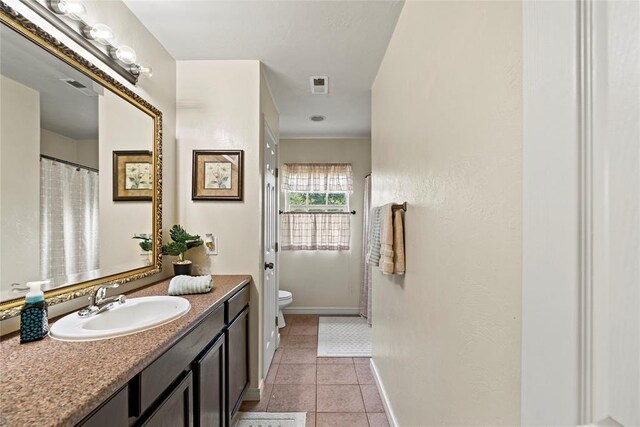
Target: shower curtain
365,291
68,220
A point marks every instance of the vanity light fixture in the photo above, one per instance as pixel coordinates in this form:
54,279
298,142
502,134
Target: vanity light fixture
100,33
72,9
124,54
141,70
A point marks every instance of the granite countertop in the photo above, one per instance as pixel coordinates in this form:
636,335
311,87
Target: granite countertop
58,383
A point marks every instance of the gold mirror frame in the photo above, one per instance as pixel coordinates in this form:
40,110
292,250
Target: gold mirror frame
20,24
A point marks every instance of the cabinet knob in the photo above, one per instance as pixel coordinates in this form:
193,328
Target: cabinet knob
268,266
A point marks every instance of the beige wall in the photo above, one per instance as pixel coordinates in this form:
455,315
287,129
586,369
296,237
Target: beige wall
220,104
83,152
19,183
121,127
322,279
446,137
160,91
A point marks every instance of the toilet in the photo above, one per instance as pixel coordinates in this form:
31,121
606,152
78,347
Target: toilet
284,299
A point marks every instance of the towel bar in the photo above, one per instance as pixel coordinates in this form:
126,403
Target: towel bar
402,206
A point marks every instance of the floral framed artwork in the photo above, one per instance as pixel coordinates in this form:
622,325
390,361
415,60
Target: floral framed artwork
132,176
217,175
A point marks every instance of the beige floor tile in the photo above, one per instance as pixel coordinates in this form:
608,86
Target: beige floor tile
271,375
371,397
258,405
339,398
365,376
277,356
285,330
298,355
292,398
358,360
299,341
378,420
302,319
303,329
296,374
341,420
337,374
335,360
311,419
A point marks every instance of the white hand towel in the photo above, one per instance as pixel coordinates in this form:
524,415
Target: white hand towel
183,285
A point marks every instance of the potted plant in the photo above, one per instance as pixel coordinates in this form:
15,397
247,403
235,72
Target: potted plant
181,243
146,246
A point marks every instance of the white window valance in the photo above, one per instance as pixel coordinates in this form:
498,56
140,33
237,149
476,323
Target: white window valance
320,177
315,231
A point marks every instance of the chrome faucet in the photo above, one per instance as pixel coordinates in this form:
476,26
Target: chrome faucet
99,302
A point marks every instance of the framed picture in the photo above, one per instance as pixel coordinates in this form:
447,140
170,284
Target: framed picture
217,175
132,176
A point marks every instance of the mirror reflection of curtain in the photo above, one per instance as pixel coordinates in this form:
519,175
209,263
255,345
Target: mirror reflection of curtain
68,220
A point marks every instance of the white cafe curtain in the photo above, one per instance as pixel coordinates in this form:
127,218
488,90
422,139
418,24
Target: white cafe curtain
311,177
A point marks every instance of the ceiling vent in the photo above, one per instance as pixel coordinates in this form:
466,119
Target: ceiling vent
319,85
80,87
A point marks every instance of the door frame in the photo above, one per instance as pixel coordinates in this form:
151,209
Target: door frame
563,377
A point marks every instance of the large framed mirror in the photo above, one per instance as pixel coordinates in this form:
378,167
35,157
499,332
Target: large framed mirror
80,171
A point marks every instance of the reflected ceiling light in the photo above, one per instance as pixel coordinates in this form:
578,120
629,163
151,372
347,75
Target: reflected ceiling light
99,32
124,54
141,70
70,8
317,118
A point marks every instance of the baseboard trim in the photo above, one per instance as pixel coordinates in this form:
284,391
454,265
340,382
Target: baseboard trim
322,310
254,393
383,395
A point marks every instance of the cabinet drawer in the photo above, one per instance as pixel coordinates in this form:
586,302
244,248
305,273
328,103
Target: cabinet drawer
236,303
114,412
155,379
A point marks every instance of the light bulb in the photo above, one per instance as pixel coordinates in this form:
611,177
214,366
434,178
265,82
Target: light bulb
100,33
141,70
124,54
70,8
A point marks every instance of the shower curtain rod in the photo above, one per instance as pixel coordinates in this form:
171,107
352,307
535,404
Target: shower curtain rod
66,162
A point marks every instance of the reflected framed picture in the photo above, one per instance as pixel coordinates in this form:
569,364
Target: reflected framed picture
132,176
217,175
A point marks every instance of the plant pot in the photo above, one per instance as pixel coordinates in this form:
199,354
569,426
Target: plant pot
182,268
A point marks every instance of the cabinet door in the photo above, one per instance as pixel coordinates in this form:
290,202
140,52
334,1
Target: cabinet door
176,410
114,412
237,362
209,386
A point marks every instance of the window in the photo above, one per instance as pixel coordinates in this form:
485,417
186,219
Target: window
317,213
299,201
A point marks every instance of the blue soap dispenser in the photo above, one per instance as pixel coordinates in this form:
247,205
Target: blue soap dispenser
34,317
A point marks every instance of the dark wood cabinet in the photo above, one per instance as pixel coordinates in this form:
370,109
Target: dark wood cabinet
176,410
238,361
209,389
199,381
114,412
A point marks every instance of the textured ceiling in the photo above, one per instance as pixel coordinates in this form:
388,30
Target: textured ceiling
344,40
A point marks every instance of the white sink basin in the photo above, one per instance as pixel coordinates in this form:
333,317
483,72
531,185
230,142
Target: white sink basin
135,315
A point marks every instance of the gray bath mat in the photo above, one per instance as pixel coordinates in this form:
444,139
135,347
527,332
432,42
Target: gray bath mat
344,337
271,419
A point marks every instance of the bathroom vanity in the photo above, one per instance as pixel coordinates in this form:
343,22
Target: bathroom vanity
192,371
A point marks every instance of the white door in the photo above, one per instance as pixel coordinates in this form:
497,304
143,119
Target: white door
270,280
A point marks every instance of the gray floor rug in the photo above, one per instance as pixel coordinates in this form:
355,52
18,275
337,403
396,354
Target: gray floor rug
271,419
344,337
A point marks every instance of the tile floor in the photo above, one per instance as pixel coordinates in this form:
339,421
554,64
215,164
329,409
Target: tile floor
335,392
